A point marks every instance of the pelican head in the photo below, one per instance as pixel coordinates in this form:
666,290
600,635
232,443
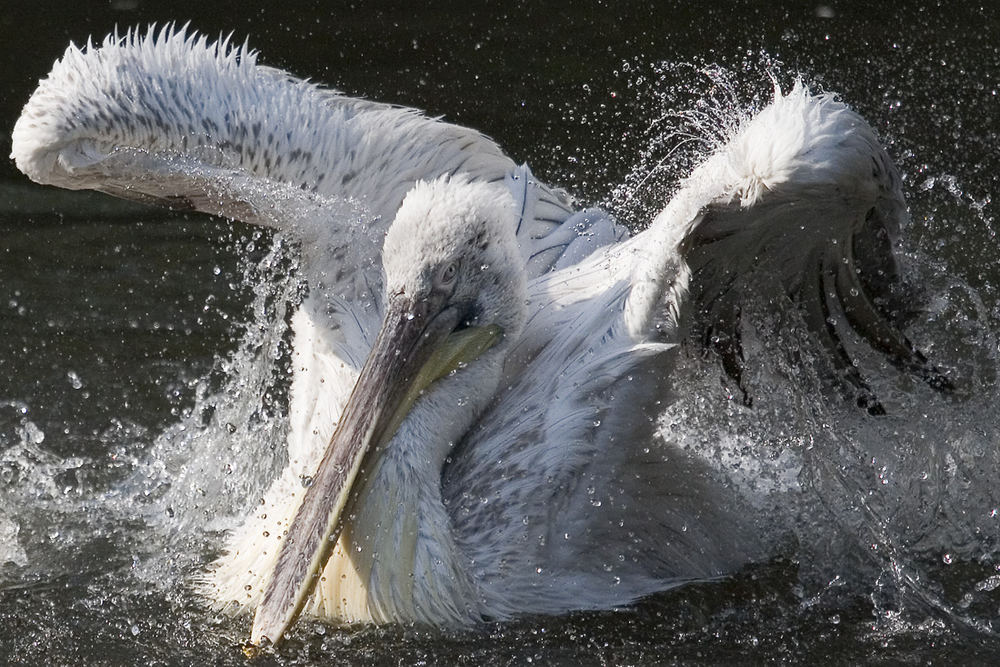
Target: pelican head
452,245
455,302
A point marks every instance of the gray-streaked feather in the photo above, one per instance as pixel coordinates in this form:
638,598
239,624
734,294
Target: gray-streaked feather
167,117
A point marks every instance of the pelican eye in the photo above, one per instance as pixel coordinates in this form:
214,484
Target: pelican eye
448,274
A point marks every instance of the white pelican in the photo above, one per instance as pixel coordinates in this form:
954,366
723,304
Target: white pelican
477,366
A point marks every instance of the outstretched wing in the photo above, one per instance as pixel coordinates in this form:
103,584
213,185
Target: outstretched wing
166,117
803,205
803,193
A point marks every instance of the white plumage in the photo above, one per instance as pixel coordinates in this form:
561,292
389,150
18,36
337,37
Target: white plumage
530,479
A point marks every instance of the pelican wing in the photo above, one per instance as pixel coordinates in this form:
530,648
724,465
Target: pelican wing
803,193
114,116
803,206
167,117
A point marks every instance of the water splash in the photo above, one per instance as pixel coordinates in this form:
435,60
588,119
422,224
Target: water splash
900,510
203,473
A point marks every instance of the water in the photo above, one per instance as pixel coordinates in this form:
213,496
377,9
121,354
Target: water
142,351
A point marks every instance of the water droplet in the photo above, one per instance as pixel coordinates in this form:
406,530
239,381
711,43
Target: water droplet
135,630
34,434
74,380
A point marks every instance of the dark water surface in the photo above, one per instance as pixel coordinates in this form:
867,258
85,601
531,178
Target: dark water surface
137,346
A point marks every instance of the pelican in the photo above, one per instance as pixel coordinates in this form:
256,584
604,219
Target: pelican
478,364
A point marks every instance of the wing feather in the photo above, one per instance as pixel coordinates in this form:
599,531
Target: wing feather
167,117
797,184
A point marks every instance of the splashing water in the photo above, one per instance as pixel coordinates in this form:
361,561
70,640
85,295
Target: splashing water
900,510
144,518
884,527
